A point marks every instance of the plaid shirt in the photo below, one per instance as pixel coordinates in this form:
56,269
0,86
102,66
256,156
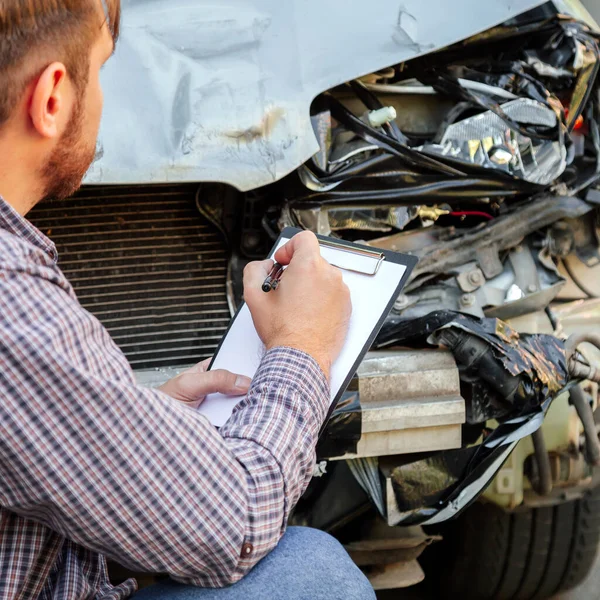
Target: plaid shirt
93,465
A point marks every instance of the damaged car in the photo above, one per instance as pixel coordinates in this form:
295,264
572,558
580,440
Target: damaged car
465,450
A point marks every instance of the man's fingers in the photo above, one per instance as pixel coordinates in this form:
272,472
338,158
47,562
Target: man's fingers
255,273
193,385
303,244
223,382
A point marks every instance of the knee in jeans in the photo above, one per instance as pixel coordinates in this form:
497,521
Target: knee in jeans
330,565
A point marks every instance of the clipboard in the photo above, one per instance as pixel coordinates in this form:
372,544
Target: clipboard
241,351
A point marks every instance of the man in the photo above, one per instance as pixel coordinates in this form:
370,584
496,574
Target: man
93,466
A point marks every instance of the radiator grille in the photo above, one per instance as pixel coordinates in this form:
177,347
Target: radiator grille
147,265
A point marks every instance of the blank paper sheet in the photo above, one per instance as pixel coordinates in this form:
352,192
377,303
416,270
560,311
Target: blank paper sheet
242,350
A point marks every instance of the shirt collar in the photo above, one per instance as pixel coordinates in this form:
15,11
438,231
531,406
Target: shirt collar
13,222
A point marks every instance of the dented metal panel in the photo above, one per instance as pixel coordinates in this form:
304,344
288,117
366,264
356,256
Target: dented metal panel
204,91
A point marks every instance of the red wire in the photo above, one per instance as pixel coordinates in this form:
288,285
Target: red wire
471,213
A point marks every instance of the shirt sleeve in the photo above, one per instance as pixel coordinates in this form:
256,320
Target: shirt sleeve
129,472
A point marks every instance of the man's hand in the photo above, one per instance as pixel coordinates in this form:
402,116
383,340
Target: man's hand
193,385
310,309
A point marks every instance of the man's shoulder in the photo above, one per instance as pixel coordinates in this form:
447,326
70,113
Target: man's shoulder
20,258
16,252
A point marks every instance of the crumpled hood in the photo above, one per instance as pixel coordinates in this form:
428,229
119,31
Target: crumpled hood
206,91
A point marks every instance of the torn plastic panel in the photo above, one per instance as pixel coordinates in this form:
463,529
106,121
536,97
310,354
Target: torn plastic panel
558,53
482,404
525,372
534,125
574,47
448,486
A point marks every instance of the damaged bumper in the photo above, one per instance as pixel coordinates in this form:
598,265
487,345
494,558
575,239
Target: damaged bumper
504,376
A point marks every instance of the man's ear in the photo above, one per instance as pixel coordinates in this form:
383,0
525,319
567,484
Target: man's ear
50,101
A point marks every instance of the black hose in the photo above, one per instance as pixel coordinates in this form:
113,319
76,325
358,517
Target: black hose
543,484
456,190
577,281
552,318
354,170
586,416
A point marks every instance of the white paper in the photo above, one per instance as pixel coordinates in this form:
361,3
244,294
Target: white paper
242,350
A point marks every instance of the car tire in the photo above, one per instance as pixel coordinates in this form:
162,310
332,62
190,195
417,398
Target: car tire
533,554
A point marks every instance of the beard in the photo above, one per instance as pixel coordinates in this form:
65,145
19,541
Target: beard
70,160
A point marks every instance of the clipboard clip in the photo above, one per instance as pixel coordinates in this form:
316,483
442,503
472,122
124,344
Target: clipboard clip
379,257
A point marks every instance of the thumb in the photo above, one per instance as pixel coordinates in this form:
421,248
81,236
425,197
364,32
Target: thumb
304,244
221,381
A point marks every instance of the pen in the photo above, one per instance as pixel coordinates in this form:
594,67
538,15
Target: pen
272,280
277,278
276,281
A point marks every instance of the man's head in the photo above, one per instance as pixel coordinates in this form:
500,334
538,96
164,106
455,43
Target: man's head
51,52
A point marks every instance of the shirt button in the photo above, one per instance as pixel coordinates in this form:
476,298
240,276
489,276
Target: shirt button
247,550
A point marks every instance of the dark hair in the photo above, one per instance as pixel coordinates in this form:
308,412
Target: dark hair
45,31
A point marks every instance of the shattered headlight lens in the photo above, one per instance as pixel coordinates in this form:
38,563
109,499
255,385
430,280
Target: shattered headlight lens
486,140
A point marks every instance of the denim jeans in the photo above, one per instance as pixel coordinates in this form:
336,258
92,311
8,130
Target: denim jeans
306,565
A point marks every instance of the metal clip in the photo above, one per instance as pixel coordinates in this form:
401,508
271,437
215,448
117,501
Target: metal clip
378,256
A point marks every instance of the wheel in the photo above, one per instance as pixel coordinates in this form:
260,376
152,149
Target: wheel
489,554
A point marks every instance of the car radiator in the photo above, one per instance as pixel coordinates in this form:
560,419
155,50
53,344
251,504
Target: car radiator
147,265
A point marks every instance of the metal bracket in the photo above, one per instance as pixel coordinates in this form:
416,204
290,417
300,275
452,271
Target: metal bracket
489,261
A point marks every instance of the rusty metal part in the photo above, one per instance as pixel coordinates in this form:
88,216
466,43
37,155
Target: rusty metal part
396,575
388,555
572,477
584,411
569,470
578,369
543,483
502,233
388,551
469,281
